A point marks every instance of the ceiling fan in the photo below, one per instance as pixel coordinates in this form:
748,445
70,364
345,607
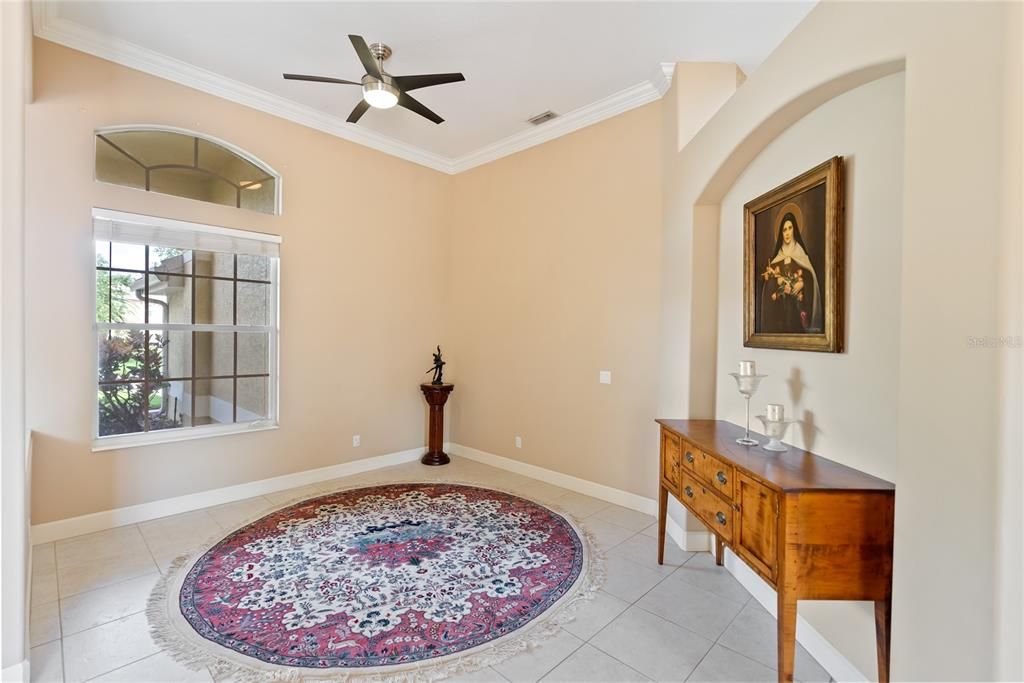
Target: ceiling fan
381,90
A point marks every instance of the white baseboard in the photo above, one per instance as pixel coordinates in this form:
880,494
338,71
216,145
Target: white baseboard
837,666
133,514
648,506
16,673
694,541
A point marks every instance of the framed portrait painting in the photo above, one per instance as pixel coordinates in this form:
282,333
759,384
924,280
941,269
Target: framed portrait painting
793,263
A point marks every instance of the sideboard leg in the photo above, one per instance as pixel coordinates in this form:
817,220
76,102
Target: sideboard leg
787,633
883,636
662,518
719,551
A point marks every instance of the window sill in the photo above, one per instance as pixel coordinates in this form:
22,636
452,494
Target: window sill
111,443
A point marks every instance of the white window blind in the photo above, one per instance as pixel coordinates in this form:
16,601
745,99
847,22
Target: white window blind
116,226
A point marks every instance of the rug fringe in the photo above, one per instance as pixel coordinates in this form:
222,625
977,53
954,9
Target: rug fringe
221,668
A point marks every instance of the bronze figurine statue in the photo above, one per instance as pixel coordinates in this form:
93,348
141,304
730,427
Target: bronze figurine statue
438,367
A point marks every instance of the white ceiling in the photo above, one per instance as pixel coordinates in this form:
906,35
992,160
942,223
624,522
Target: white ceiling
587,60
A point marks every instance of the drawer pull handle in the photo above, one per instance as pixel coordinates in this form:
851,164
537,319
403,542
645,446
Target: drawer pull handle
689,457
689,491
721,478
720,517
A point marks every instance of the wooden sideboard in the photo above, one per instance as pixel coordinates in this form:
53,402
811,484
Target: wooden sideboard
810,527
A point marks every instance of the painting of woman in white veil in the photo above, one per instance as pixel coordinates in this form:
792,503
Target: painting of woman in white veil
792,263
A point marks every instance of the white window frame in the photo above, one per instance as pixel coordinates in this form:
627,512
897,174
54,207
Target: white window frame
118,441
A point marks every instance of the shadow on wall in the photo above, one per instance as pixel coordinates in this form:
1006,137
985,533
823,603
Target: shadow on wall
797,388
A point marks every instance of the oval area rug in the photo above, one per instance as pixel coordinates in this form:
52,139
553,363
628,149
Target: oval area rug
413,581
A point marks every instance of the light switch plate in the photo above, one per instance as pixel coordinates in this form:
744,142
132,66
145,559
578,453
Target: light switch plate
604,377
519,442
356,440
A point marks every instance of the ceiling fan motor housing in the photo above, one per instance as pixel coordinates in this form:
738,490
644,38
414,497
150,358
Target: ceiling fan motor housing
380,51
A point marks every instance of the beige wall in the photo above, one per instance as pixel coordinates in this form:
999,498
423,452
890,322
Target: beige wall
361,294
847,403
947,401
554,277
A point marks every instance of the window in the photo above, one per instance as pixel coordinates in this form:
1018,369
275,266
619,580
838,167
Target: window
186,329
186,164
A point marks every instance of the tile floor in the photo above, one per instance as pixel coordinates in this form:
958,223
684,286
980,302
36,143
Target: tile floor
685,620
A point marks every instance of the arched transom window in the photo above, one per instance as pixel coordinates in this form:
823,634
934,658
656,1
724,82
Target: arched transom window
186,164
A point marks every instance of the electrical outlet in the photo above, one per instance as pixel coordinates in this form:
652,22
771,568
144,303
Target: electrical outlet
604,376
356,440
519,442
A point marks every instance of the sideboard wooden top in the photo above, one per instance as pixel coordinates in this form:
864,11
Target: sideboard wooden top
793,470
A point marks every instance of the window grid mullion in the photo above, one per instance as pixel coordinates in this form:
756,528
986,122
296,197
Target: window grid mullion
145,345
234,335
149,332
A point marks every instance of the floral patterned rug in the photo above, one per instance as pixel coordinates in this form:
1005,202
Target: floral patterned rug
410,581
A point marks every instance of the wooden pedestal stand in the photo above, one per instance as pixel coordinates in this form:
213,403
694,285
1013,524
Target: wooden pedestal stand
437,396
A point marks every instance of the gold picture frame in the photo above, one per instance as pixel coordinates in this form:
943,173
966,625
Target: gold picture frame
793,263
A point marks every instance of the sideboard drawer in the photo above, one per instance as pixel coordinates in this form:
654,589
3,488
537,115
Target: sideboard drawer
691,456
711,509
718,515
717,473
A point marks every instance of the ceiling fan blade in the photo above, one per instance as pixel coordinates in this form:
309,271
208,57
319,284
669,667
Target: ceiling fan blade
365,56
412,105
318,79
359,110
406,83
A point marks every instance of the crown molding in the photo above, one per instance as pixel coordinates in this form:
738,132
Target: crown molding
47,24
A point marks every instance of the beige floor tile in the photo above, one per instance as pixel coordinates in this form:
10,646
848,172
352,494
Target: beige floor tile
580,505
653,646
46,663
691,607
725,666
44,623
643,550
485,675
595,614
627,580
753,633
158,668
106,648
651,530
44,558
606,535
533,664
361,479
232,515
44,588
102,545
179,533
292,495
701,571
590,665
80,578
93,608
624,517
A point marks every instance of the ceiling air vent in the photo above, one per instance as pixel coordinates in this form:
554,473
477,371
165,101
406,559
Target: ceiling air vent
542,118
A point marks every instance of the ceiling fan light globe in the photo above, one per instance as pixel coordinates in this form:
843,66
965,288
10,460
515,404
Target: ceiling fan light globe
380,95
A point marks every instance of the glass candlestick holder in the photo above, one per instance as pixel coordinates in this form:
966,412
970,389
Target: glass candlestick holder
747,386
775,429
